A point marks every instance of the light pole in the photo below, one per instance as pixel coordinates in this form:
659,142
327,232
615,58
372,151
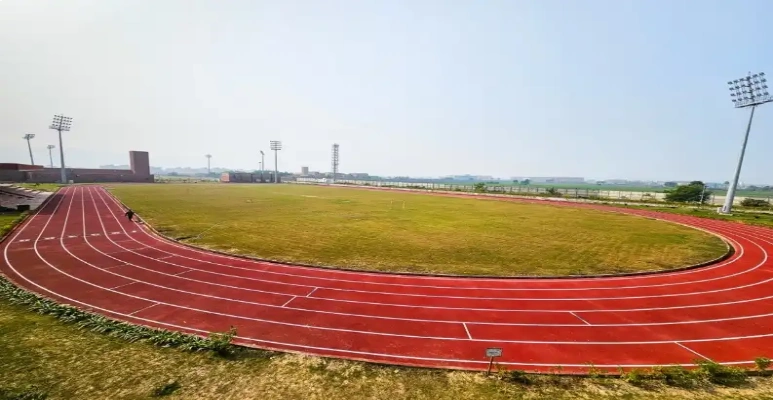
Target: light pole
61,124
262,164
335,161
209,170
276,146
29,137
750,91
50,154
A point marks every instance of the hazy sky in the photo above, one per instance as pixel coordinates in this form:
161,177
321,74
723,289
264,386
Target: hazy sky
600,89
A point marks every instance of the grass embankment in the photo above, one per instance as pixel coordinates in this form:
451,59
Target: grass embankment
42,357
742,216
8,220
392,231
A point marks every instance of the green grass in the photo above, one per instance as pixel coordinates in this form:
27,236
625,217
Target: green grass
8,220
392,231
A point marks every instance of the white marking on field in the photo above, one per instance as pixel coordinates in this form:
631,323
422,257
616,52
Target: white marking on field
692,351
467,330
578,317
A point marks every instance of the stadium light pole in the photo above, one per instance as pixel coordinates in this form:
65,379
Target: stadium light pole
61,124
276,146
29,137
262,164
51,154
209,170
749,91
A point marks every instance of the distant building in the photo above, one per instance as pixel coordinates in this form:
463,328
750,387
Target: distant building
550,179
304,171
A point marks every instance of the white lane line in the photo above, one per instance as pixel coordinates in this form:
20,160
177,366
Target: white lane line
180,273
693,351
143,309
709,224
124,285
441,321
467,330
578,317
435,296
288,301
166,324
164,257
312,292
423,295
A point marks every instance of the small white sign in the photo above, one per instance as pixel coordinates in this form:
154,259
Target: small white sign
493,352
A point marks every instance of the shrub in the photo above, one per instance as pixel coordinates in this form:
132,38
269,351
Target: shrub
634,377
720,374
675,376
516,376
749,202
762,363
220,343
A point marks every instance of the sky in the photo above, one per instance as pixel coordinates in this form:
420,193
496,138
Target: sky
599,88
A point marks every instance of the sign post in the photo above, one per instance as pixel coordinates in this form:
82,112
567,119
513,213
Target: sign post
492,352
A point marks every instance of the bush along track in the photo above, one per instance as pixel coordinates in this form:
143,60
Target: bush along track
217,343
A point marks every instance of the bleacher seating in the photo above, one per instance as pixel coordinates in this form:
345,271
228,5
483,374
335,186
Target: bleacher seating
15,197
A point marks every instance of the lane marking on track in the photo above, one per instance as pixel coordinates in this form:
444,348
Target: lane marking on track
143,309
723,228
693,351
164,257
114,266
304,346
441,321
312,291
578,317
23,240
464,324
180,273
288,301
124,285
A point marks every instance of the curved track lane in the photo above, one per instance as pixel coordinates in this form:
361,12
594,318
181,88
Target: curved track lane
80,250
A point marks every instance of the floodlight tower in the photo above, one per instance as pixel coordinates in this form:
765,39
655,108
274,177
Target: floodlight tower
276,145
51,154
335,161
29,137
750,91
209,170
262,164
61,124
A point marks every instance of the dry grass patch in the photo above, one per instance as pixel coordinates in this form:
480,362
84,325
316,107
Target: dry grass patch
392,231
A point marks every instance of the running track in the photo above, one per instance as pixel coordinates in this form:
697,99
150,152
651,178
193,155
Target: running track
80,250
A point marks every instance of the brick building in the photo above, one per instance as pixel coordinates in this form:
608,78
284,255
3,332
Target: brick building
139,172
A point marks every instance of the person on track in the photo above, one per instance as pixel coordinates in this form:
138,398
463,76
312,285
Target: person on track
129,214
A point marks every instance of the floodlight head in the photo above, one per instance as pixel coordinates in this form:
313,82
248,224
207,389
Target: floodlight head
28,136
208,156
50,146
261,153
61,123
749,91
276,145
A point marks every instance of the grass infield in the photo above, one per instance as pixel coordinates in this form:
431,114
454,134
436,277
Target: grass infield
403,232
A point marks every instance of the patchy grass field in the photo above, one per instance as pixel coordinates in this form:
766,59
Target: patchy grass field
45,357
392,231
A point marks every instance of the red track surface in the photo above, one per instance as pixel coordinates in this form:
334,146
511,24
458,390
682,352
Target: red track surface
80,250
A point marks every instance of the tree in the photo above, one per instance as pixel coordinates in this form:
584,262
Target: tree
515,181
695,191
526,181
670,184
480,187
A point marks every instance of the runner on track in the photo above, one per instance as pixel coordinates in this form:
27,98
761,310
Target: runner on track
129,214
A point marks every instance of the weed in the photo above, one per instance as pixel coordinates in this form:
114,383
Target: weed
762,363
634,377
220,343
29,392
514,376
166,389
720,374
675,375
